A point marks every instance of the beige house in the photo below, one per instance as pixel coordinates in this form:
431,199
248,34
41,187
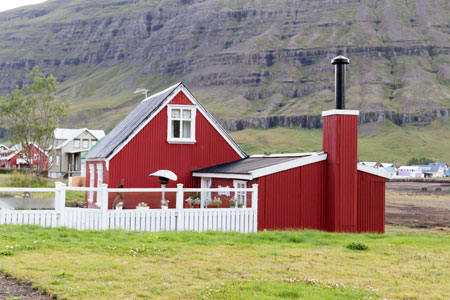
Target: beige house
70,145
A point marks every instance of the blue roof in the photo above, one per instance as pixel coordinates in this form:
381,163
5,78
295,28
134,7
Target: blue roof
390,170
105,147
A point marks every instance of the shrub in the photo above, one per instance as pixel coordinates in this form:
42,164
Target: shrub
357,246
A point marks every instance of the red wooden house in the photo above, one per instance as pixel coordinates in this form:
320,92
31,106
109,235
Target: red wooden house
18,158
172,130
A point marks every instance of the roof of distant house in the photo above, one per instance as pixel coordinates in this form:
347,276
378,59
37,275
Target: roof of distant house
68,135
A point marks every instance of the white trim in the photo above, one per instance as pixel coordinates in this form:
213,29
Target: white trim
302,161
238,194
222,175
194,101
284,154
181,140
373,171
340,112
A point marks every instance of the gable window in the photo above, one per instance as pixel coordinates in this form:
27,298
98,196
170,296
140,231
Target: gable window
85,144
93,142
76,143
181,124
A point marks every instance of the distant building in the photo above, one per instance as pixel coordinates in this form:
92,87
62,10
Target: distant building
3,148
433,169
387,165
17,158
410,172
390,170
70,145
372,164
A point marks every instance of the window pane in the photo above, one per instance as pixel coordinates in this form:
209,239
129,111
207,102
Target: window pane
186,114
175,129
187,129
175,113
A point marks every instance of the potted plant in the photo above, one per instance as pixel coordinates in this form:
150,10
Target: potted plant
196,203
216,202
141,205
164,204
233,202
188,202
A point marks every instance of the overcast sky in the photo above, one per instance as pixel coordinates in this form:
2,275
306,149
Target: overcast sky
10,4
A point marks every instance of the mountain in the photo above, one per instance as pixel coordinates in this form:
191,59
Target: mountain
251,62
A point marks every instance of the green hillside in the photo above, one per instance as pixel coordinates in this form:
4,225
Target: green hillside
382,142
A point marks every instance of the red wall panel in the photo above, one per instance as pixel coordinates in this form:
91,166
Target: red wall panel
371,203
293,198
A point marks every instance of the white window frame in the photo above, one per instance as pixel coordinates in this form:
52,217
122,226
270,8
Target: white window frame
82,143
57,160
93,142
240,196
181,140
205,183
75,145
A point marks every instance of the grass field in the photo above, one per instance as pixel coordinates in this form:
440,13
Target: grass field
402,264
383,142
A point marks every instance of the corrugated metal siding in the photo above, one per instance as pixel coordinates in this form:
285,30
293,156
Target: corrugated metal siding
371,203
149,151
340,142
292,198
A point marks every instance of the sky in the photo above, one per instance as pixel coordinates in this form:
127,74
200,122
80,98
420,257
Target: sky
10,4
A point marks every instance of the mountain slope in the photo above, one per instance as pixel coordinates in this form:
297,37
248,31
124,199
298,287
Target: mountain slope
242,59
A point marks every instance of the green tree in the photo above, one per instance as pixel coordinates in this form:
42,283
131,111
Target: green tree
31,114
420,161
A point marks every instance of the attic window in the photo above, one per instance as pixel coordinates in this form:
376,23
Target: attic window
181,124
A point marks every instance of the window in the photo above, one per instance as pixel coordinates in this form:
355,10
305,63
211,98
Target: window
99,180
76,143
181,124
93,142
241,197
85,144
91,181
57,160
36,156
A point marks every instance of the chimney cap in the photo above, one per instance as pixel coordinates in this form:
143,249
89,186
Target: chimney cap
340,60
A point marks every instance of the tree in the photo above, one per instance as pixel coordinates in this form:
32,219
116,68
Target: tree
31,114
419,161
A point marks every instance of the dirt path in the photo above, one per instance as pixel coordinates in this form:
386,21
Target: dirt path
10,289
418,205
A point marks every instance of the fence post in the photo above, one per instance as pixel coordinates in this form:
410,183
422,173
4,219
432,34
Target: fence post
104,206
60,203
179,207
255,206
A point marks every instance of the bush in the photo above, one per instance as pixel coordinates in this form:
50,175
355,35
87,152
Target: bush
11,171
22,180
357,246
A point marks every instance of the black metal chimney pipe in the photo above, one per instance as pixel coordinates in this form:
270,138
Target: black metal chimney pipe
340,62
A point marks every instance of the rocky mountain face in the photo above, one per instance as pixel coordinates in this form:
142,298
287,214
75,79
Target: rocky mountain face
252,63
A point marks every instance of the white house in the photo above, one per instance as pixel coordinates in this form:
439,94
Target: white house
410,172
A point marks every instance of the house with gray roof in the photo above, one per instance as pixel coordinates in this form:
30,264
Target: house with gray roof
68,147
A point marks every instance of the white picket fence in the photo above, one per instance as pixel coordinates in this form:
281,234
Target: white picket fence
152,220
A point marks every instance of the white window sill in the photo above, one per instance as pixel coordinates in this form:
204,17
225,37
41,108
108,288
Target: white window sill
181,141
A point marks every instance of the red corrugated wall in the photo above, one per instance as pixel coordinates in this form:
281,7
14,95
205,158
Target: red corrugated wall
293,198
149,151
340,133
371,203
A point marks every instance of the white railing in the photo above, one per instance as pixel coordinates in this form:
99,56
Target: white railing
153,220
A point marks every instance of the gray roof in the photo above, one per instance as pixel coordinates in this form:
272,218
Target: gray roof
246,165
128,125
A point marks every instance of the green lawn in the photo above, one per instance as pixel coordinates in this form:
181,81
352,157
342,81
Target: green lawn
73,264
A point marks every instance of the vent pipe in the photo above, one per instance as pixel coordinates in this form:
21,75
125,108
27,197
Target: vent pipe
339,62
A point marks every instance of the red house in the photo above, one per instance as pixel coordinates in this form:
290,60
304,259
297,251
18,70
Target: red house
18,158
172,130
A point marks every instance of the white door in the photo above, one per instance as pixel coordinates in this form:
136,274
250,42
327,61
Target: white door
91,181
205,183
99,180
